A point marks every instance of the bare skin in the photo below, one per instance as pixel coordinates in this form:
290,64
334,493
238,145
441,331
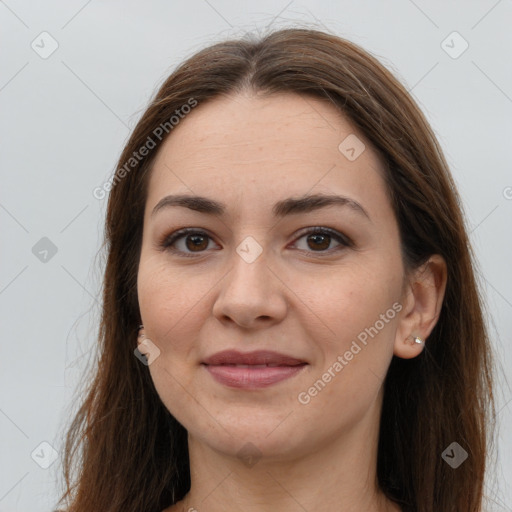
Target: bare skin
305,297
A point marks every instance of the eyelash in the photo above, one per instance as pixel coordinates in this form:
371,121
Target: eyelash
169,240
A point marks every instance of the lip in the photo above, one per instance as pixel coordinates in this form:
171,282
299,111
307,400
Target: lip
252,358
251,370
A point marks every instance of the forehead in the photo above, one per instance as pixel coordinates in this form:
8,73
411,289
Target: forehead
263,148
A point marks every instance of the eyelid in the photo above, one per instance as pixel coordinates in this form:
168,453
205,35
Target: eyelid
174,236
337,235
344,241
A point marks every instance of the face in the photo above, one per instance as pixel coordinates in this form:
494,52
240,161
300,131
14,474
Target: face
320,283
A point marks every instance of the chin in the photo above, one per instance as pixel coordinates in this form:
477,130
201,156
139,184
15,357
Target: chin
253,435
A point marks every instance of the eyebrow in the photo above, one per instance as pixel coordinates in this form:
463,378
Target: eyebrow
290,206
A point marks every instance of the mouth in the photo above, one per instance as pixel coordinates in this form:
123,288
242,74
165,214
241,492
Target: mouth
255,358
253,369
272,365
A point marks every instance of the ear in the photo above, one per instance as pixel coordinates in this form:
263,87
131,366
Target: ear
141,336
422,300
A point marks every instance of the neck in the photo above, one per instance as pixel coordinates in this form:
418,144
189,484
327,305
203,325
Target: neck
340,475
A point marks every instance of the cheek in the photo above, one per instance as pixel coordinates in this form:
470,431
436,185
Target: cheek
358,312
173,306
348,300
166,301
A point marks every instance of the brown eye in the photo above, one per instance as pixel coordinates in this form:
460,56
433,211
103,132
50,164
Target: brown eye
186,241
319,240
197,242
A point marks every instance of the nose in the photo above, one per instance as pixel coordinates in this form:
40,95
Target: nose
252,295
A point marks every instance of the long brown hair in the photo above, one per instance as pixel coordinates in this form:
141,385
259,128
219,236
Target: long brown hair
125,452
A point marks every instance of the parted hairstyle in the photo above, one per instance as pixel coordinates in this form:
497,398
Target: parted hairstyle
125,452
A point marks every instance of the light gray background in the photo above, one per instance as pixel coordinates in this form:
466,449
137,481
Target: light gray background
63,124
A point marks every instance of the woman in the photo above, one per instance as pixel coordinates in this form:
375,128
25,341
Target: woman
290,314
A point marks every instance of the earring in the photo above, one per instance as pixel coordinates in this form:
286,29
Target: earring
140,334
416,339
